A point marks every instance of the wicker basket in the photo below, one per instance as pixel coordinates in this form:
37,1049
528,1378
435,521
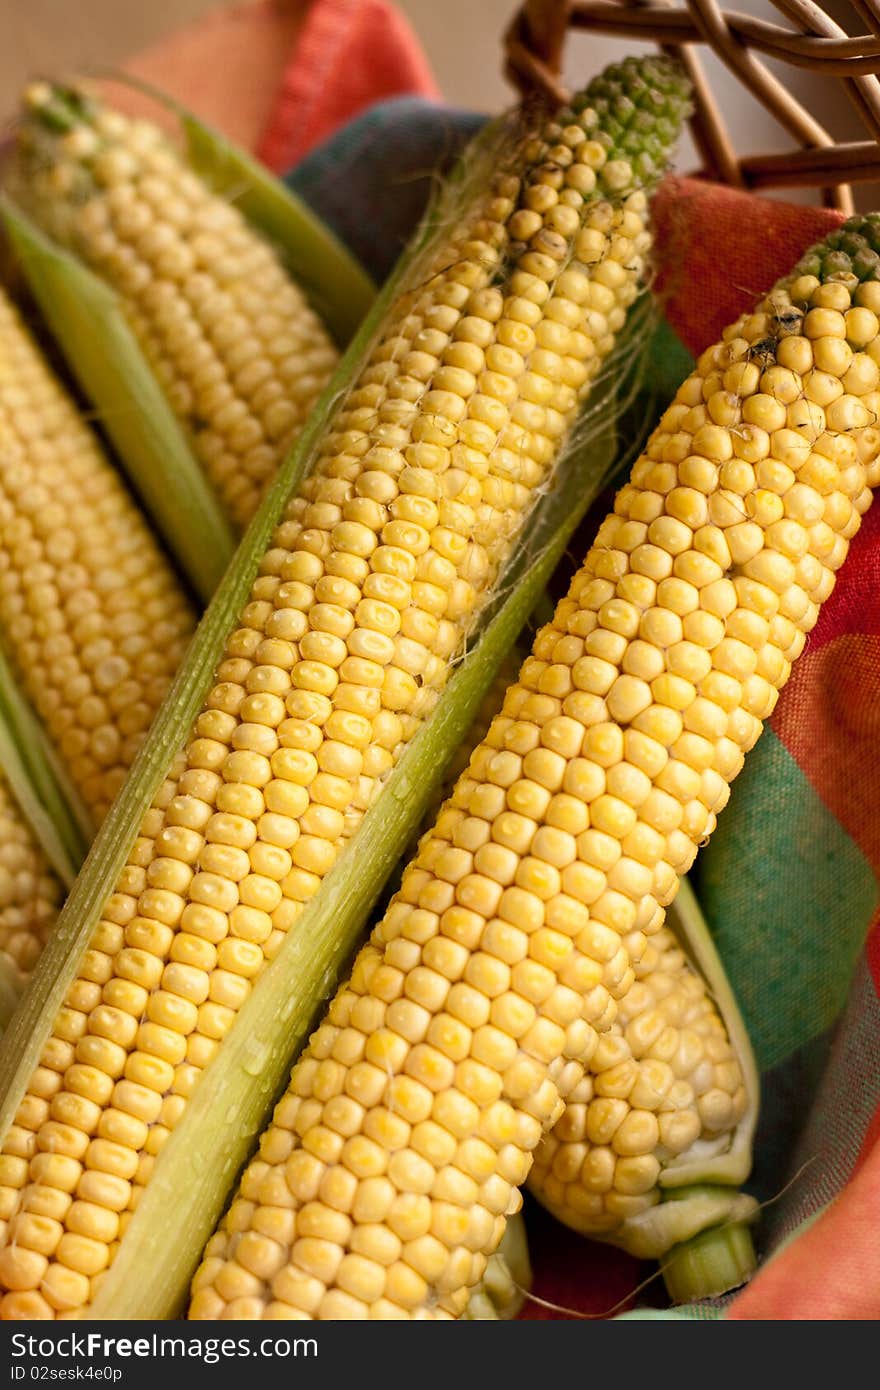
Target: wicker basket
812,40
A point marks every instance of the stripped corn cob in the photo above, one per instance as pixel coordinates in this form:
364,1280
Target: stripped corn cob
373,580
470,1018
91,614
662,1080
231,338
30,893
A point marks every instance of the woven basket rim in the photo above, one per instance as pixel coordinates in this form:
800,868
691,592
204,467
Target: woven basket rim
804,36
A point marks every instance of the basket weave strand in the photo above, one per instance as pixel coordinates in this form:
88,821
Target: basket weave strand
810,40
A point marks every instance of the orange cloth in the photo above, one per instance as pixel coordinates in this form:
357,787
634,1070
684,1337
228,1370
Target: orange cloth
719,249
227,65
831,1272
350,54
279,75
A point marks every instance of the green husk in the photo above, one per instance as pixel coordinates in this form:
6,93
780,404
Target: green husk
679,1218
39,783
89,325
704,1166
711,1263
713,1250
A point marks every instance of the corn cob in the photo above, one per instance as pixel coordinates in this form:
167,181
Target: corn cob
91,615
500,1293
663,1082
241,355
470,1018
371,584
30,892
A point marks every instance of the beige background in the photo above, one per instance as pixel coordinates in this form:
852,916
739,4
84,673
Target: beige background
462,38
39,36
